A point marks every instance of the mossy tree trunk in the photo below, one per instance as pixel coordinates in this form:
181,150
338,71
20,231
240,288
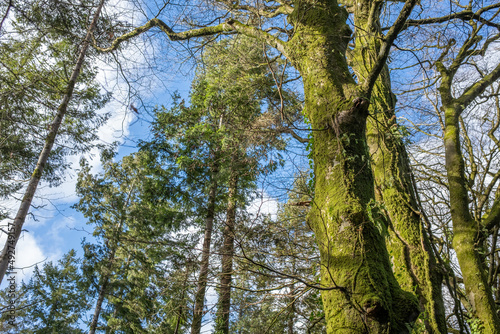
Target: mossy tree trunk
468,233
413,262
360,293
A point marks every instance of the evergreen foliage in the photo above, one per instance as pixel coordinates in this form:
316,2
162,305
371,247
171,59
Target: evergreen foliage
37,55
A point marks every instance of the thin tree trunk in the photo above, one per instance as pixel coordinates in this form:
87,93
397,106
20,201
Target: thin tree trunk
466,235
202,280
15,228
291,315
111,260
181,305
9,6
222,321
98,307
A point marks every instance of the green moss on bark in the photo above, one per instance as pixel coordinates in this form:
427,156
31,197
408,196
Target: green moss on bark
360,292
465,229
409,248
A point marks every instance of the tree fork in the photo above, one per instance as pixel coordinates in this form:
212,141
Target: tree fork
465,238
466,232
353,252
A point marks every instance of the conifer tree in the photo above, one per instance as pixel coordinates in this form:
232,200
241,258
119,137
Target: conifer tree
133,218
54,300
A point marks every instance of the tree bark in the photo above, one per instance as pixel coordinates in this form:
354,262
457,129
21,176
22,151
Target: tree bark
466,235
413,261
98,307
224,309
16,227
205,257
360,293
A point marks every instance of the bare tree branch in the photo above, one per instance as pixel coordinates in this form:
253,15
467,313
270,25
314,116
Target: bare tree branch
465,15
493,218
386,46
479,87
230,25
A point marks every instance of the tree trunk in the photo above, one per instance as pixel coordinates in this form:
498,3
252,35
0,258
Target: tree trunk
205,257
16,228
98,307
466,235
112,246
291,314
181,304
359,291
413,261
222,321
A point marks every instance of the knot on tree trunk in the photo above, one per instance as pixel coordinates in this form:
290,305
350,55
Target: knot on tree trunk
376,311
353,118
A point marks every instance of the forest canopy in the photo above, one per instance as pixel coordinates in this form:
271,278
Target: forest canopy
372,127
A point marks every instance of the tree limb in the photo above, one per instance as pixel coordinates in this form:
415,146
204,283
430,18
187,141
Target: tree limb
386,46
479,87
230,25
264,11
259,35
465,15
493,218
173,36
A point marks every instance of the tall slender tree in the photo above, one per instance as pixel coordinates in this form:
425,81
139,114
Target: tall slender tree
15,228
220,138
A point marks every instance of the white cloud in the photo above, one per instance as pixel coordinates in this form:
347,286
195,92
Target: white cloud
263,205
